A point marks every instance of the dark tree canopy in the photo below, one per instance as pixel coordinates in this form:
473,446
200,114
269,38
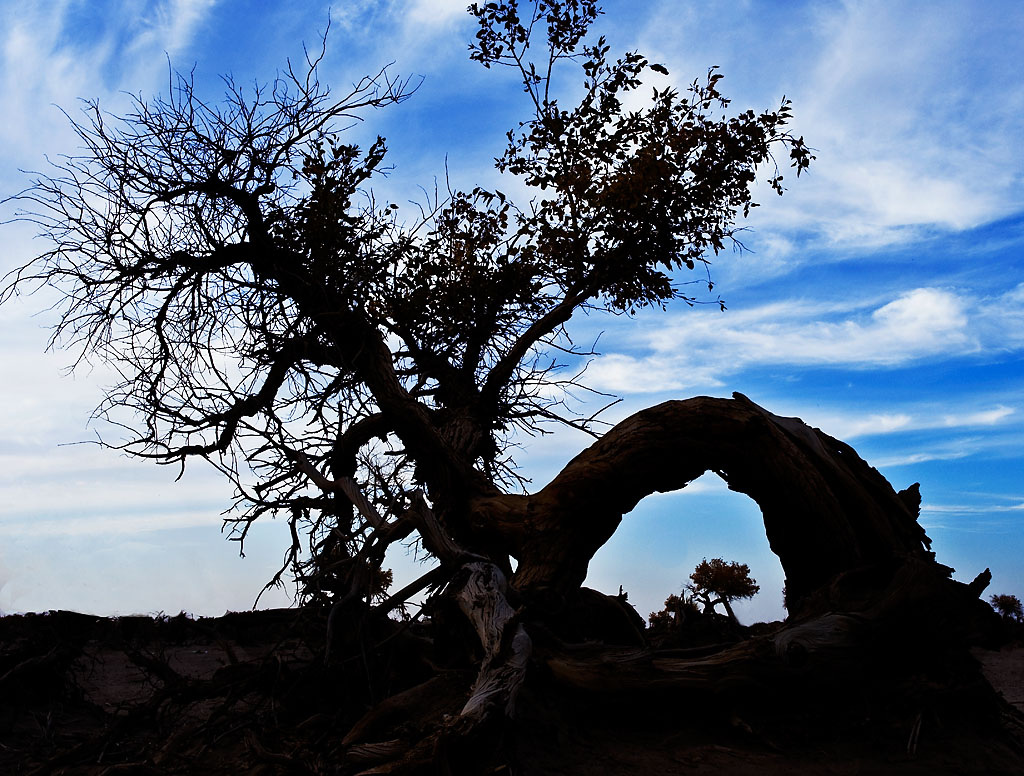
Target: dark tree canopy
361,372
716,582
1008,606
329,355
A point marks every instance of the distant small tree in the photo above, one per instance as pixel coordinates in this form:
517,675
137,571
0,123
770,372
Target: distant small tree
716,582
1008,606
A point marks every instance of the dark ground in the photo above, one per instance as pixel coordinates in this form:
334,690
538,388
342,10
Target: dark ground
248,693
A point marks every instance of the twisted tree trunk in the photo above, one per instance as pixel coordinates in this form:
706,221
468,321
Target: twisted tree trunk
866,596
826,512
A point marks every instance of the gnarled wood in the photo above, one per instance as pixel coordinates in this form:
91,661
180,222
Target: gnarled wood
507,646
826,511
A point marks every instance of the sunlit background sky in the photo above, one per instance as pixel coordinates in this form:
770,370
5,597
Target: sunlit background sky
882,299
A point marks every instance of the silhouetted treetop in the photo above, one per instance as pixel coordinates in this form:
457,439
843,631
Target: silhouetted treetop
716,582
628,195
1008,606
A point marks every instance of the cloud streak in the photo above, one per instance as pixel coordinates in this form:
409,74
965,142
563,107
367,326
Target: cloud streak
922,418
55,53
910,133
699,348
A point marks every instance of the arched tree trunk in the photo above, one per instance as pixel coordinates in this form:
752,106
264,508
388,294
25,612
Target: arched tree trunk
867,600
826,511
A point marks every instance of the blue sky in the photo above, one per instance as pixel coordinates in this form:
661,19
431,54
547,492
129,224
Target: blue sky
882,299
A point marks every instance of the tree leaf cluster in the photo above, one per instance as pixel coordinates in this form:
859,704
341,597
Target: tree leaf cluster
717,581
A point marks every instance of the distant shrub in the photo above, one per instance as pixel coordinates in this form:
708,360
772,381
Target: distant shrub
676,612
1008,606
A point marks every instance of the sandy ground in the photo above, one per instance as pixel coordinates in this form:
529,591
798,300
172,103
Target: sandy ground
109,679
1004,670
563,739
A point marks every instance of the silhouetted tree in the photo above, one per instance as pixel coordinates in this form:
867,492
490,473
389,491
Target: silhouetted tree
716,582
361,372
1008,607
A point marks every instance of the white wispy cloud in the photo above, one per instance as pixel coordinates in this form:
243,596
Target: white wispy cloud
621,373
984,517
54,53
420,33
852,426
979,418
431,15
964,509
923,417
172,24
82,489
922,457
695,348
110,525
951,450
908,132
1000,320
913,111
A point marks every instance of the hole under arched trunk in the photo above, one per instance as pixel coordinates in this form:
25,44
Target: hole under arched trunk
662,540
826,511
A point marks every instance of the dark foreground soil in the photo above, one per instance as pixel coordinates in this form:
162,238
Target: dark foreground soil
248,693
